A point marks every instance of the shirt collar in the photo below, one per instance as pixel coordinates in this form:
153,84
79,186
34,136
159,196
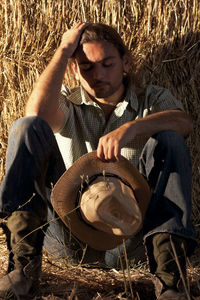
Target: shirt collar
79,97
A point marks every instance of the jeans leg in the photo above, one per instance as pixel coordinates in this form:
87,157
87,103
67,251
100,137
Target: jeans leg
165,162
33,165
33,161
59,241
134,249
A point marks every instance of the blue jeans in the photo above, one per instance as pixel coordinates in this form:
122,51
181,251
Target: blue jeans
34,164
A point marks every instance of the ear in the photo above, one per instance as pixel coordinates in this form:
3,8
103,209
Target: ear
75,70
126,63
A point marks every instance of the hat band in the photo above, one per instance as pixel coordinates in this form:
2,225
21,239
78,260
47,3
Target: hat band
85,185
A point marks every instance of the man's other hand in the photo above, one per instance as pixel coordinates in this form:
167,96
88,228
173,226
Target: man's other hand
110,145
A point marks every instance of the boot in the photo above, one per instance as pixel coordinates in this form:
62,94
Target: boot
168,272
26,245
168,293
6,231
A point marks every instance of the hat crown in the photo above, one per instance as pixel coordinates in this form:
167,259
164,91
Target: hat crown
109,205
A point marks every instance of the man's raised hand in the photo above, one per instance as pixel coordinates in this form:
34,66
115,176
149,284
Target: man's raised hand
71,37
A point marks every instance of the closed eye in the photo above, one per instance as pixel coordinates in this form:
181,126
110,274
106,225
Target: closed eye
107,65
86,66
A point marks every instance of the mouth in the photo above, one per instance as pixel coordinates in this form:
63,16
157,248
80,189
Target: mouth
100,84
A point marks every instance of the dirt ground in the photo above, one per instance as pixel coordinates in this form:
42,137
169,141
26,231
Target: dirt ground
61,281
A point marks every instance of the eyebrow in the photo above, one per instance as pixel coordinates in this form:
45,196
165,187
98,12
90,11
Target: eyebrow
90,62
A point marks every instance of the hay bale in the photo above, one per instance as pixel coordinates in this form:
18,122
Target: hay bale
163,36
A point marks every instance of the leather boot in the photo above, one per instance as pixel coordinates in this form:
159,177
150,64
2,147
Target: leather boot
21,282
6,231
168,272
26,245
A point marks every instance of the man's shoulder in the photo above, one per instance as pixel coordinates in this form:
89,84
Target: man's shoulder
153,90
154,93
161,98
145,91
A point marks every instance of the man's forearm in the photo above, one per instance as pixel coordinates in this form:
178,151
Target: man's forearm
109,146
43,100
175,120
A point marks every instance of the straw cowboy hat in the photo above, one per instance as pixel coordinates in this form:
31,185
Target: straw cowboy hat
101,202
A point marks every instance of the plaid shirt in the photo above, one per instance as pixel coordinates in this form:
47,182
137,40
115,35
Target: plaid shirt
86,123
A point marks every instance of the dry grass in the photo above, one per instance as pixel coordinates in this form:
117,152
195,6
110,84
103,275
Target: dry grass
164,37
61,281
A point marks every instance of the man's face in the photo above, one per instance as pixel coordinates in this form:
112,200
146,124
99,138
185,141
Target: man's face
99,68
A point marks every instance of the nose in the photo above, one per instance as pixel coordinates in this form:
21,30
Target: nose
98,72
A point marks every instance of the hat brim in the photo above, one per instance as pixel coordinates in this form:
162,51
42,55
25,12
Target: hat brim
65,192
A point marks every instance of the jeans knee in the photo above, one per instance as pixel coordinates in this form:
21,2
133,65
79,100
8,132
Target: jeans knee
172,145
165,144
24,125
170,139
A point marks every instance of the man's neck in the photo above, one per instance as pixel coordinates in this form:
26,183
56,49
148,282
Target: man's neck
108,104
112,100
107,109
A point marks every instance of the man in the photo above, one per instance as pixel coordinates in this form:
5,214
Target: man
106,115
